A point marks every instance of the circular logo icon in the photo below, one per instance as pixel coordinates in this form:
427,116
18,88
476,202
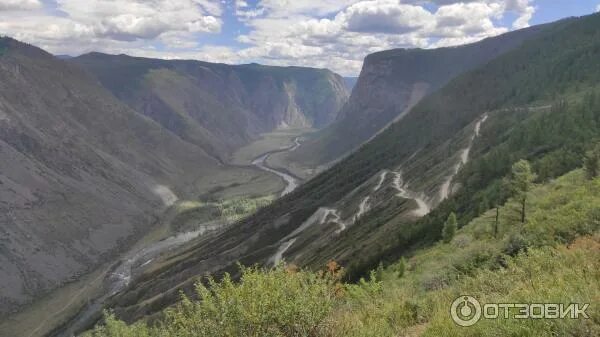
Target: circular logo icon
465,310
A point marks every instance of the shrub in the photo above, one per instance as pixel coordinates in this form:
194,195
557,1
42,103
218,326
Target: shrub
277,303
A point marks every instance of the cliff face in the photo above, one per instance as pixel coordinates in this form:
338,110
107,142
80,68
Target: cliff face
393,81
216,106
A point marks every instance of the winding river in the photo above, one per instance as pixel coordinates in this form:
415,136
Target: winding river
119,278
291,181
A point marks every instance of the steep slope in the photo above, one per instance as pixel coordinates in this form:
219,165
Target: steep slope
391,83
552,258
80,173
217,106
417,160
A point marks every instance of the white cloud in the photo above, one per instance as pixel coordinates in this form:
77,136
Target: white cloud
336,34
15,5
466,22
286,8
322,33
385,16
129,20
110,25
598,8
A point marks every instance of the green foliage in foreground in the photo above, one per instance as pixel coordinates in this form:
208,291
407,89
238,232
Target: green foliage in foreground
279,302
553,257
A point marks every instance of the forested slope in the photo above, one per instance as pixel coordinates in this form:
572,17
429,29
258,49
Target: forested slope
393,81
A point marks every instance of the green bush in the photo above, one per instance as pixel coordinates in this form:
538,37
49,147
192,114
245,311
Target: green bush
277,303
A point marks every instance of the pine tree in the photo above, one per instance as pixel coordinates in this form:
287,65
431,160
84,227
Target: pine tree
521,181
496,220
449,228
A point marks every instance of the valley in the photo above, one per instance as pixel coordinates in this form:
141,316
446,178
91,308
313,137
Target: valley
130,178
279,142
449,153
172,233
290,181
153,197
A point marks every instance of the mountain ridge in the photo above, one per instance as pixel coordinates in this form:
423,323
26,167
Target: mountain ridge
217,106
83,175
393,81
426,147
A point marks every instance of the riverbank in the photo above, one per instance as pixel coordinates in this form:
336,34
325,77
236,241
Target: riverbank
290,180
267,143
76,304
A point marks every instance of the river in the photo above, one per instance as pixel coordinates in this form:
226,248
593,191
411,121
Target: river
118,279
291,181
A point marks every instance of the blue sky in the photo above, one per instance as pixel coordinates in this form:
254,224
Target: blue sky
335,34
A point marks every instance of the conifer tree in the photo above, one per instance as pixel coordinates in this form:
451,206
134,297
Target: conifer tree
449,228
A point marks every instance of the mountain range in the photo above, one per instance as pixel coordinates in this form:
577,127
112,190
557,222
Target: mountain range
220,107
391,82
96,149
449,153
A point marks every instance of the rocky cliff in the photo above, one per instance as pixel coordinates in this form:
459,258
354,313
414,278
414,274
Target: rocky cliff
393,81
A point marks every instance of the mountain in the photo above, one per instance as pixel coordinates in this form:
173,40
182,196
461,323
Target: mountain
82,175
220,107
449,153
392,82
94,149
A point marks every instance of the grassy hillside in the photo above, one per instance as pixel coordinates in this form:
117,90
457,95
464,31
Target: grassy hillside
553,258
80,173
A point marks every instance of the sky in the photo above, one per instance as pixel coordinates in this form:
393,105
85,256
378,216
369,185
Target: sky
334,34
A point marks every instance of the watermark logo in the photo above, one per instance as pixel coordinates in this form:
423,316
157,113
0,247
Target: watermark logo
466,310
